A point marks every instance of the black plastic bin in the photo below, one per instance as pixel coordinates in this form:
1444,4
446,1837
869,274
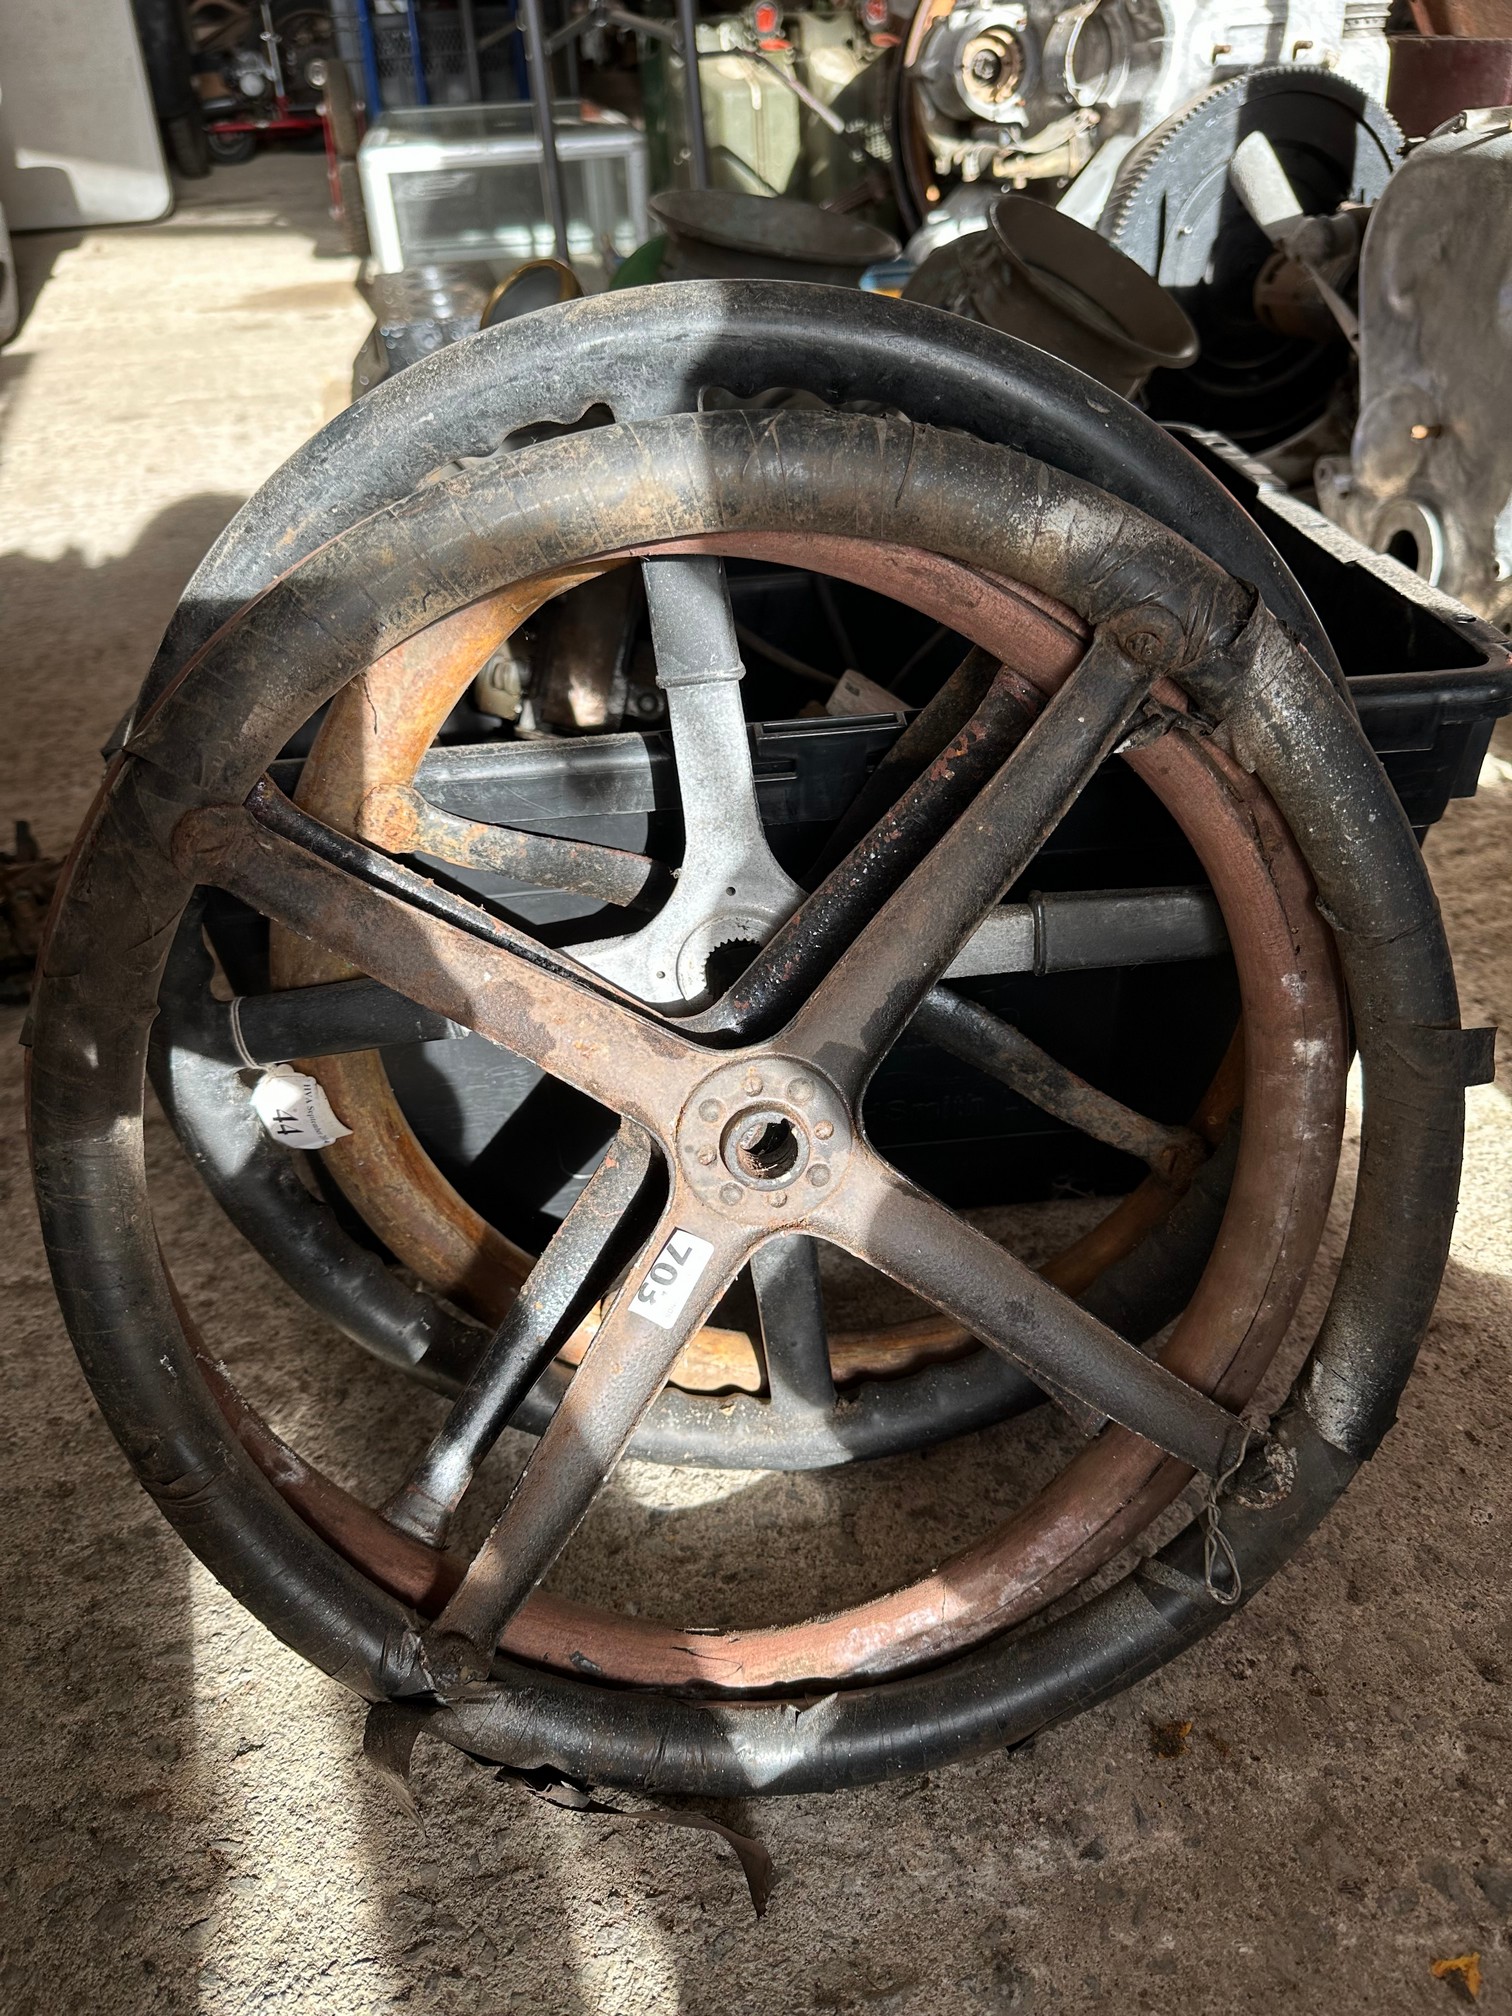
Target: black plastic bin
1430,679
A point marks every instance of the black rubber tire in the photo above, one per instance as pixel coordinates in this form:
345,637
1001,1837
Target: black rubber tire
230,150
654,351
121,899
188,146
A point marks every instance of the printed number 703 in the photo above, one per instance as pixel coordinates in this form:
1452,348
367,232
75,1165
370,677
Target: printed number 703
669,1281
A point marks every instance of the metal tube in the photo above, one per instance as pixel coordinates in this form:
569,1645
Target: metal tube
824,113
369,48
417,53
993,1046
541,96
774,985
622,1372
794,1340
698,139
269,40
919,931
469,26
402,822
640,24
322,1021
523,1345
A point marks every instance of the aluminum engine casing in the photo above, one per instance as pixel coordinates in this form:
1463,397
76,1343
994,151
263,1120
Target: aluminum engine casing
1429,475
1093,77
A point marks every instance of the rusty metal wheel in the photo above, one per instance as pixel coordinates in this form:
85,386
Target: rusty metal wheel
731,893
741,1126
817,1397
1137,1268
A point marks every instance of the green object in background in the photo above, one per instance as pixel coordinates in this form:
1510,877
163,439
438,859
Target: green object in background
644,265
762,140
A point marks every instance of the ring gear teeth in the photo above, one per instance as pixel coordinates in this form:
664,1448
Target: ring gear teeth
1142,159
1166,212
720,972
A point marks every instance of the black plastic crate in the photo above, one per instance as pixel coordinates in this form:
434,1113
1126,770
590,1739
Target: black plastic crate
1430,679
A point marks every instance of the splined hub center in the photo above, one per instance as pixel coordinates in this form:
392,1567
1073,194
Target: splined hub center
764,1147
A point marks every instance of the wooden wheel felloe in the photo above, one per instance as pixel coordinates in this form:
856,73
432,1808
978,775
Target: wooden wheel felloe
742,1134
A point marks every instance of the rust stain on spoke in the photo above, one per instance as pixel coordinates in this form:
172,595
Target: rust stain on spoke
693,1253
494,981
375,732
396,817
374,736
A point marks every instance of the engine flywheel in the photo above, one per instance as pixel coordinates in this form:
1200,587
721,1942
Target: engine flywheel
1174,210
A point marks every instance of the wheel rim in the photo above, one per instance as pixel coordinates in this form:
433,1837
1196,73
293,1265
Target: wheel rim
386,1170
1244,673
1267,1244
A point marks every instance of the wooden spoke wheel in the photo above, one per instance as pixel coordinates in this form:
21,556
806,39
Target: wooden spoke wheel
742,1137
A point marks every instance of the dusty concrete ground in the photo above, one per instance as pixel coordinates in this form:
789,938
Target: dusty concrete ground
185,1824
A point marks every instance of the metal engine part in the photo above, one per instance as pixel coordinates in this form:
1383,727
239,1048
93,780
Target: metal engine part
1030,90
723,234
1214,203
418,311
793,106
423,308
1018,92
1044,277
1428,478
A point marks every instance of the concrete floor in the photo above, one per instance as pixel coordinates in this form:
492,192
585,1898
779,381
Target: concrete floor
185,1824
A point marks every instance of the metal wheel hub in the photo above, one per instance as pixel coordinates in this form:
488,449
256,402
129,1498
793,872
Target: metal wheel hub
764,1138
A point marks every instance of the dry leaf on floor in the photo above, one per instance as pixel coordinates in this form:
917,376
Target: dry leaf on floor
1462,1974
1169,1739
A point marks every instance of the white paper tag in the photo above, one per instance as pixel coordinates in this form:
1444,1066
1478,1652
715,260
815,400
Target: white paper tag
663,1294
294,1108
854,693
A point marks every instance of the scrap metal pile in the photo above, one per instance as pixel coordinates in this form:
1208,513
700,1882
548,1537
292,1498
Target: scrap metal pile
1027,93
982,158
546,985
